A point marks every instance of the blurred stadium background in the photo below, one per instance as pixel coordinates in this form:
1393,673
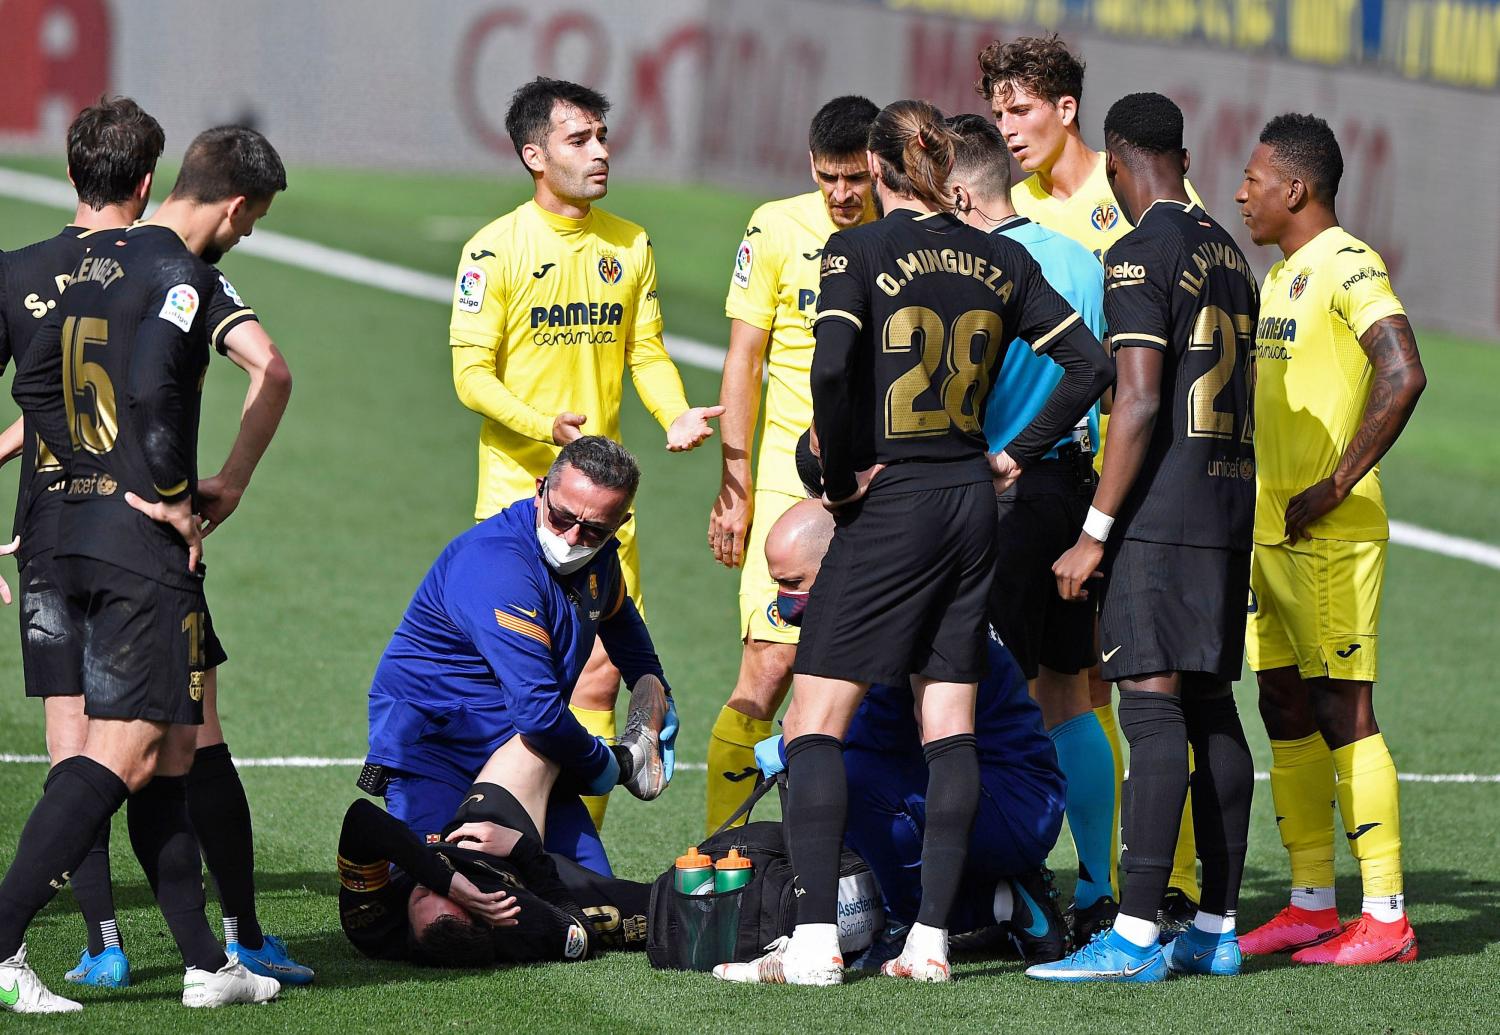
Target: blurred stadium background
389,113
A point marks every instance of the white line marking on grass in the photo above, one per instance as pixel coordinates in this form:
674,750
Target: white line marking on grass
358,269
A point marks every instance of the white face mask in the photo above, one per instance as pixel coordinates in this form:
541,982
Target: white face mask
561,557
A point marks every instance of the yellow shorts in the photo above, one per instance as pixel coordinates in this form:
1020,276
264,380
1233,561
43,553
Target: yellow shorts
501,485
1316,605
758,617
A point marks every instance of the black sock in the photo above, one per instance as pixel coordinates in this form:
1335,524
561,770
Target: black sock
1153,725
817,805
1223,783
92,890
162,836
952,800
80,797
221,818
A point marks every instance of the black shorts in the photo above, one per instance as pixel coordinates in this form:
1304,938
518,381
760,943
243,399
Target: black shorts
1173,608
903,589
51,648
1039,521
144,646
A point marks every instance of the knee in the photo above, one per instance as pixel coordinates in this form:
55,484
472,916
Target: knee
1282,693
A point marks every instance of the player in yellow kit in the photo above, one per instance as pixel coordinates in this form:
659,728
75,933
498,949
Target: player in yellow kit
771,305
1338,375
553,301
1035,88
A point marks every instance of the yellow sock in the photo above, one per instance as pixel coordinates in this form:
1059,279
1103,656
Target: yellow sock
1369,801
1302,792
600,723
731,763
1185,859
1106,714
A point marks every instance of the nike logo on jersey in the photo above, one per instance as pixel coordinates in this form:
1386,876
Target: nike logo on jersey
1352,251
1111,653
522,610
743,774
486,253
1349,652
539,274
752,231
1361,830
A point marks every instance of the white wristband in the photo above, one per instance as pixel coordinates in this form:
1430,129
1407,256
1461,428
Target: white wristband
1097,525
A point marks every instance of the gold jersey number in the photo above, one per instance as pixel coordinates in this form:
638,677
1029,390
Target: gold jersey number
945,358
88,393
1216,329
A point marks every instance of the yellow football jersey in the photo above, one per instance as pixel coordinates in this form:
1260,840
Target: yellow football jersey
547,313
1091,216
1313,379
775,287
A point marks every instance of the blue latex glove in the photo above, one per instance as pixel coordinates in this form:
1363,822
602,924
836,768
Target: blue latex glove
770,755
608,778
669,739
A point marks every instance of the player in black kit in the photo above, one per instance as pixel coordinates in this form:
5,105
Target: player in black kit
1171,527
914,315
111,384
486,894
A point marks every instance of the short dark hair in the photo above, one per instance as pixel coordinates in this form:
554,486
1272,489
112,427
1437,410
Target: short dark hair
529,116
841,128
1305,147
229,161
1040,65
1147,123
602,461
112,145
981,154
453,941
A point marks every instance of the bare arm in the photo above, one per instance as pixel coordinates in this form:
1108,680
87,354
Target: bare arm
739,394
252,350
1397,384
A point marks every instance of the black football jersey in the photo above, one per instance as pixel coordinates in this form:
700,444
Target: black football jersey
1179,284
935,303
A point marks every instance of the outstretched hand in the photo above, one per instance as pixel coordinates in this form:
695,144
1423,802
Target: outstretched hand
691,429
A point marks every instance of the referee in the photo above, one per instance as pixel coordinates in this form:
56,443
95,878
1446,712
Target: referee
915,313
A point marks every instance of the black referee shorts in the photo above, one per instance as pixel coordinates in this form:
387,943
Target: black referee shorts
1039,519
1172,608
903,589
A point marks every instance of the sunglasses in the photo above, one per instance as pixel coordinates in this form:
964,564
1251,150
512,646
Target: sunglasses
590,533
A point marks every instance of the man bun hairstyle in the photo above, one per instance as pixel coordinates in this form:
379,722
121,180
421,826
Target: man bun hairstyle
602,461
1144,123
112,146
453,941
981,155
529,117
915,148
1043,66
841,128
227,162
1303,146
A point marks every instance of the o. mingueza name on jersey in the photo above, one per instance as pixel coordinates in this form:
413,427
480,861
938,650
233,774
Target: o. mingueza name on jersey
932,260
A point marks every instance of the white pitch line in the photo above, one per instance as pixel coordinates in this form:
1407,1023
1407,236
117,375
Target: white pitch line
428,287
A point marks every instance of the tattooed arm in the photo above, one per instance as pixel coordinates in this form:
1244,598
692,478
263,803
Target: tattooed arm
1398,380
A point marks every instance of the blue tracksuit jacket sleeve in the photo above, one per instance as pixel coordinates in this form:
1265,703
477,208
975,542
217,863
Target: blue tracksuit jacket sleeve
628,643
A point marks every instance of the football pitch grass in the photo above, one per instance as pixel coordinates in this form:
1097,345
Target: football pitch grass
374,471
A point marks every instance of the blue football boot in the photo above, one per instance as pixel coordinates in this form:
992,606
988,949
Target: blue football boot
1109,957
271,960
109,969
1197,952
887,946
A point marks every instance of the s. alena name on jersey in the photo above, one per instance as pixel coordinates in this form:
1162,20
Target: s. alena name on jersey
933,260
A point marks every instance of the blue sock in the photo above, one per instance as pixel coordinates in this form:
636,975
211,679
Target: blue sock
1083,753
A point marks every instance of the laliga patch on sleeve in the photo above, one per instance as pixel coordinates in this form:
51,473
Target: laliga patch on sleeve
578,942
234,296
470,298
742,262
181,306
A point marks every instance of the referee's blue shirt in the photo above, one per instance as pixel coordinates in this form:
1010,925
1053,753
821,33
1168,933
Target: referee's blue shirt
491,646
1026,380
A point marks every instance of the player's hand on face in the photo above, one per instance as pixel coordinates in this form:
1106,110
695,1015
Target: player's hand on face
729,523
217,499
862,480
1004,469
6,551
1308,506
180,516
691,429
497,908
1077,566
565,427
489,838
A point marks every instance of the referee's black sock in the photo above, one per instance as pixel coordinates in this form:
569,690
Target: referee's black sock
1153,725
817,806
1223,784
80,797
952,800
162,836
221,817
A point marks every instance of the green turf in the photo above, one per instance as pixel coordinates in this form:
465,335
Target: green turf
374,472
